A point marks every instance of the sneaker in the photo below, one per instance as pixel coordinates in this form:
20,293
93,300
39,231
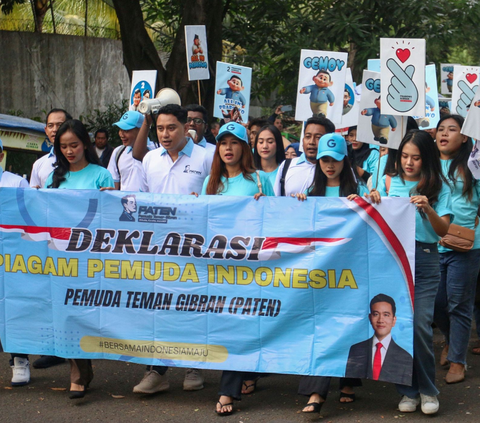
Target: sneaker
21,371
408,405
46,361
430,404
193,380
151,383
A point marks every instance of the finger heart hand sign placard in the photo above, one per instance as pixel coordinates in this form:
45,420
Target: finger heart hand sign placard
403,76
465,84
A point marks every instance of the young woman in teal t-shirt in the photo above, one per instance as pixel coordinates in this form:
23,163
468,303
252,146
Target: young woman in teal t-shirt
459,270
418,175
77,168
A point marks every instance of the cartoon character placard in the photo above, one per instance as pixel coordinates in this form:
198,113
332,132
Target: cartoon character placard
350,102
403,76
375,126
446,76
321,85
470,127
143,87
432,111
465,84
197,52
232,92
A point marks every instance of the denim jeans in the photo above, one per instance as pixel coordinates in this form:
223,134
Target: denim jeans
427,278
455,300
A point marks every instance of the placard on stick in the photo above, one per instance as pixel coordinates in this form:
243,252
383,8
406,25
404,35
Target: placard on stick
321,83
142,88
465,84
446,77
232,92
432,110
350,102
374,126
197,52
402,62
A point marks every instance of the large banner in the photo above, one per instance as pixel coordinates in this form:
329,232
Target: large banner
207,282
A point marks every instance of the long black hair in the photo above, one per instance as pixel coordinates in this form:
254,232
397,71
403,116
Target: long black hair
280,154
348,182
459,165
62,165
431,178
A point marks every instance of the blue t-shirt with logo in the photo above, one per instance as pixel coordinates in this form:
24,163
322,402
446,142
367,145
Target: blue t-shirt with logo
465,210
90,177
238,185
423,229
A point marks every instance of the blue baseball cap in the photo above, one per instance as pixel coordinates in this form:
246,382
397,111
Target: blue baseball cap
234,129
332,145
130,120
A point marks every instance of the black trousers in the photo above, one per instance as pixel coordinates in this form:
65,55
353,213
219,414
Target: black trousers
320,385
231,383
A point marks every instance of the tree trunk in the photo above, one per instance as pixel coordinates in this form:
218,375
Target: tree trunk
139,52
41,9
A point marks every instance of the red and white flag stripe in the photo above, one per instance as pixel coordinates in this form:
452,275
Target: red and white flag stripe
57,238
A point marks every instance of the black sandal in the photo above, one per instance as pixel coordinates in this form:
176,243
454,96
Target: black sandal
317,406
344,395
245,387
226,413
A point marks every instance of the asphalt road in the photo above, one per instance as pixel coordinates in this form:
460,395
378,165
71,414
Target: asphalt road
110,398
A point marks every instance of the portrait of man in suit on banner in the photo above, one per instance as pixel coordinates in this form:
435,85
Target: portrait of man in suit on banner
380,357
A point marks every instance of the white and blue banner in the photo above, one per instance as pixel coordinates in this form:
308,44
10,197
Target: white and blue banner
206,282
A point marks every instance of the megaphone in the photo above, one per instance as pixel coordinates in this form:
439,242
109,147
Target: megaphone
164,96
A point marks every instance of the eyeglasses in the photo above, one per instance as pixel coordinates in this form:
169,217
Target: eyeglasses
196,121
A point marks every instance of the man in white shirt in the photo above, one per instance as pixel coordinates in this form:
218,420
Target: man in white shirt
298,175
125,169
18,362
44,165
179,166
197,119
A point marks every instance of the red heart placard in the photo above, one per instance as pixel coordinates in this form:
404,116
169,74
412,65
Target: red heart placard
403,54
471,77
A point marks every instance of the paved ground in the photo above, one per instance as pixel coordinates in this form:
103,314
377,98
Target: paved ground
111,399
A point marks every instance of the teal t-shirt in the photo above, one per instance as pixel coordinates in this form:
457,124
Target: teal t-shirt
423,229
90,177
270,175
335,191
380,169
465,211
238,185
370,164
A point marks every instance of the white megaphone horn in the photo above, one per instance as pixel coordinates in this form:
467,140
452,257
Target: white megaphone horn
164,96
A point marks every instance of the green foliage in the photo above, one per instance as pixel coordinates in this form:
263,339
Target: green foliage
7,5
104,119
268,35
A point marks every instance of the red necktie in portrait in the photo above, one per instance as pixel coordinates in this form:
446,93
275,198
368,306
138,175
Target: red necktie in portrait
377,361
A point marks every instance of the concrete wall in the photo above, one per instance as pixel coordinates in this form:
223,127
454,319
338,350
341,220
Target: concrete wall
41,71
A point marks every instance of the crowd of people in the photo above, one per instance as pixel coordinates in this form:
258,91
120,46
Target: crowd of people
258,160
